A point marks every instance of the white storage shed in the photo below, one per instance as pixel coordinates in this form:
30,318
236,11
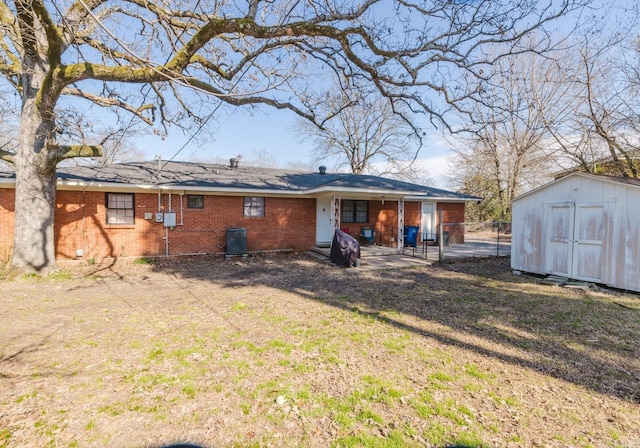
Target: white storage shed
581,226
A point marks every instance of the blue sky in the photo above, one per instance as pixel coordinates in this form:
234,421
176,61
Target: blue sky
241,131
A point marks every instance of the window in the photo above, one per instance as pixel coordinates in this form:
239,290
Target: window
253,207
195,201
120,208
355,211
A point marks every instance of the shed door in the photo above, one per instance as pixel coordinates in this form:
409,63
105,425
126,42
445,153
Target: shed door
576,240
560,255
589,235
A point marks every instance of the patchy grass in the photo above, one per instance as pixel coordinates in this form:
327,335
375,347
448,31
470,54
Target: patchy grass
142,261
289,352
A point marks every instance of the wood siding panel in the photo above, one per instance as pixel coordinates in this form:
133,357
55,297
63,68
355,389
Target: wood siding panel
560,242
527,233
589,238
626,255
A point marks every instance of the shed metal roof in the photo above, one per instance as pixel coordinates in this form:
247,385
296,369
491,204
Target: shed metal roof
630,181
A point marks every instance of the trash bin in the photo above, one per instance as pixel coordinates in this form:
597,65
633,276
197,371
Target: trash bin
410,236
445,238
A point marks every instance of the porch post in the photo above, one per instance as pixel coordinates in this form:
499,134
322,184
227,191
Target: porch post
335,209
400,224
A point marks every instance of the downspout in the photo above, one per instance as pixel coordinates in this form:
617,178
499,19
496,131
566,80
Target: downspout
400,221
84,223
166,231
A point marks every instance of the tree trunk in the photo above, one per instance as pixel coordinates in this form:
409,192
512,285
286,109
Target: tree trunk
33,244
35,167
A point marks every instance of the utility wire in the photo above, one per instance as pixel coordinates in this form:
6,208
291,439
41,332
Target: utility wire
173,77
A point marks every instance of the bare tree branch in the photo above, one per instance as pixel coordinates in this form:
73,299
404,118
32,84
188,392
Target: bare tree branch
68,152
7,156
113,102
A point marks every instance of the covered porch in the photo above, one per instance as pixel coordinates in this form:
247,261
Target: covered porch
377,258
380,257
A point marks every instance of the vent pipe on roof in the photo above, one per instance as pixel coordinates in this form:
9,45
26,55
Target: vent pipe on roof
322,169
233,163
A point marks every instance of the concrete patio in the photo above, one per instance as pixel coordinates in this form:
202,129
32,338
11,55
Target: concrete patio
375,257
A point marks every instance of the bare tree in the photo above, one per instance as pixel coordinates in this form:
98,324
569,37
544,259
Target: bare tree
151,59
8,127
502,152
300,165
595,116
261,158
365,135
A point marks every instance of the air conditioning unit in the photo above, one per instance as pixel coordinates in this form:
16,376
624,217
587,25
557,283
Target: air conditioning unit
236,242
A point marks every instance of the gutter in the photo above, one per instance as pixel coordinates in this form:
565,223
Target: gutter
234,191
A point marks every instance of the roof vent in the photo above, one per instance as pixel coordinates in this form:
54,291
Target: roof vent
322,169
233,163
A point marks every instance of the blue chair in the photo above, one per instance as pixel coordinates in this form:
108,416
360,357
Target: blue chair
367,235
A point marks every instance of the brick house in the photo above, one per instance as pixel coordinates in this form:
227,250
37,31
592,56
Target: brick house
177,208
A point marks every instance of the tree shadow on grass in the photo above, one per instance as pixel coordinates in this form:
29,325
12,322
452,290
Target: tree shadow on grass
574,336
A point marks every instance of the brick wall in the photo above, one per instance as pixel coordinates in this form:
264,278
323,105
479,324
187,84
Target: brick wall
7,207
289,223
81,224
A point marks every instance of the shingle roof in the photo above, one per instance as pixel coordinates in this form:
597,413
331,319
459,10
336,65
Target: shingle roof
192,175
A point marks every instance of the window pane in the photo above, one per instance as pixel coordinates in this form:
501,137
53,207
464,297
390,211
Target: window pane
348,210
355,211
253,207
195,201
361,211
120,216
120,208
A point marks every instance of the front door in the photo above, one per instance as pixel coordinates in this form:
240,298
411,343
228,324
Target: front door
427,224
324,221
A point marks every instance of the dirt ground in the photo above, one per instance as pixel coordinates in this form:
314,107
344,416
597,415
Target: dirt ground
289,351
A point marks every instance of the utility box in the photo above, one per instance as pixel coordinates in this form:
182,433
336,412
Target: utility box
236,242
169,219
